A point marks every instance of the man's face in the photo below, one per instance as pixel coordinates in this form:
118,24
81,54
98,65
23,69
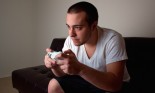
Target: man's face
78,28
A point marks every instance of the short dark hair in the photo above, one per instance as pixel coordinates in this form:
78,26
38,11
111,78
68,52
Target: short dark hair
88,8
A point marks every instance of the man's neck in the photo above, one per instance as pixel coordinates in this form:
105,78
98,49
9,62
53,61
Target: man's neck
90,46
93,39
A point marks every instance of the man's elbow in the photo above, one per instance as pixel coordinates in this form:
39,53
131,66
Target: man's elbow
115,87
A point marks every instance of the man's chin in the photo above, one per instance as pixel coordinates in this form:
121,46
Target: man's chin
77,44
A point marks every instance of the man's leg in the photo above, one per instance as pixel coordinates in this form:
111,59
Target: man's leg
54,87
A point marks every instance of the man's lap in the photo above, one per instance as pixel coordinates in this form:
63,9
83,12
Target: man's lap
76,84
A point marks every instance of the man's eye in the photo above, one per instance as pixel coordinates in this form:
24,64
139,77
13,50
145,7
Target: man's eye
78,28
68,27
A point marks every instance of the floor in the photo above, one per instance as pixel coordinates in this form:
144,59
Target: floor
6,85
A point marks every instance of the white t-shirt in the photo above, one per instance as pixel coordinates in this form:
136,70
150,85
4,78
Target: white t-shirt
110,48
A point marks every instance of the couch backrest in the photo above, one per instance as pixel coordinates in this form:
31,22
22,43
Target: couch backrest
57,44
141,63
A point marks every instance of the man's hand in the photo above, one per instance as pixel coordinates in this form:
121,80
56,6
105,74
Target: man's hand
68,63
49,63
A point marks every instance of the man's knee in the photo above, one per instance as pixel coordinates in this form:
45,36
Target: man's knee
54,87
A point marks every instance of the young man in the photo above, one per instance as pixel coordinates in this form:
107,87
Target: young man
93,58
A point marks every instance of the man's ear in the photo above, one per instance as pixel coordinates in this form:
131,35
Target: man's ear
94,25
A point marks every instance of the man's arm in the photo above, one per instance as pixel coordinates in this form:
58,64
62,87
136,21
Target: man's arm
110,80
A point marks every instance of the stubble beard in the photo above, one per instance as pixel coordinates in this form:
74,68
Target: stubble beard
84,42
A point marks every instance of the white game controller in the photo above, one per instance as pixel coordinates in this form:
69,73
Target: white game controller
53,54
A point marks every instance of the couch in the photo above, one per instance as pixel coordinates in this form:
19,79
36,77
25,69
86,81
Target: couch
140,64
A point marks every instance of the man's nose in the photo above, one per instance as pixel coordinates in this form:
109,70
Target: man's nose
72,32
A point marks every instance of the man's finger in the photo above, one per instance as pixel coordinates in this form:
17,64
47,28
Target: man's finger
60,62
48,50
69,52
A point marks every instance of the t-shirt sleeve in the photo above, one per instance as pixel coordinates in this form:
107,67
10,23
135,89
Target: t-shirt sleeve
115,49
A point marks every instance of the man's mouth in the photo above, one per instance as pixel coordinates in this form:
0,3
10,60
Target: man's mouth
75,40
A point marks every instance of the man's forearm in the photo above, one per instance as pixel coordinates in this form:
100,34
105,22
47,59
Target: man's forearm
103,80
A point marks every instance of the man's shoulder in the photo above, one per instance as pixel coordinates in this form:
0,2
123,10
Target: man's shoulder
107,32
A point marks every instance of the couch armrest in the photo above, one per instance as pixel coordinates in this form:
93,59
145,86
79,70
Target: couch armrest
32,79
